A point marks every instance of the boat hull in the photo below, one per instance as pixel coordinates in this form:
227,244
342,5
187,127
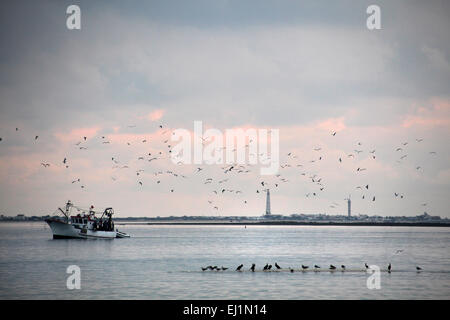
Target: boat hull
63,230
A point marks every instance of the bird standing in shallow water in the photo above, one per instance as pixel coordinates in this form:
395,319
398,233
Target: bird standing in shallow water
253,267
239,267
332,267
389,267
277,266
343,267
418,268
367,267
304,267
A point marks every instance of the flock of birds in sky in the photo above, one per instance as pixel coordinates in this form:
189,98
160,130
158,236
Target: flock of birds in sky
316,268
145,165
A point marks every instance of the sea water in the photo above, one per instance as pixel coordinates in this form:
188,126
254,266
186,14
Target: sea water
164,262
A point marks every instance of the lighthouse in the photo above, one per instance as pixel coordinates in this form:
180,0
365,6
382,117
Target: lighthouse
267,202
349,207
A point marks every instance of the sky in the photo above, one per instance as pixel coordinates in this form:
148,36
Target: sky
305,68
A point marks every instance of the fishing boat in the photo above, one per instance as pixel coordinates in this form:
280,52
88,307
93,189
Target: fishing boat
84,225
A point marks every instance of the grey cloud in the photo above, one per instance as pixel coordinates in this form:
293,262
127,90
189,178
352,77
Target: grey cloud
228,63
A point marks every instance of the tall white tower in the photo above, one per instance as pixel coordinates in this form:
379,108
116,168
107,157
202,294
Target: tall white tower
268,203
349,207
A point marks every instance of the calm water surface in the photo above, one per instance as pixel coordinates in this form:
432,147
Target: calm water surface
163,262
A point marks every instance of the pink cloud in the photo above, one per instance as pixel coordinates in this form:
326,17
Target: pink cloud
77,134
437,116
150,137
332,125
156,115
313,134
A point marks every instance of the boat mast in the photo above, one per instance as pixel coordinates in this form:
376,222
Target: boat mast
67,212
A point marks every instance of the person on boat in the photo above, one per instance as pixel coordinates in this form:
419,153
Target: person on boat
91,211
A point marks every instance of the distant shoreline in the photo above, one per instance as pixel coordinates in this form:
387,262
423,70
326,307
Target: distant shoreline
269,223
294,223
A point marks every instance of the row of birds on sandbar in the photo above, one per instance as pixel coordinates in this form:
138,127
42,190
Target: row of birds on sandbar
268,267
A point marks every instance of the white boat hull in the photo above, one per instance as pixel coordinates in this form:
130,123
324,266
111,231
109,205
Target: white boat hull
62,230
